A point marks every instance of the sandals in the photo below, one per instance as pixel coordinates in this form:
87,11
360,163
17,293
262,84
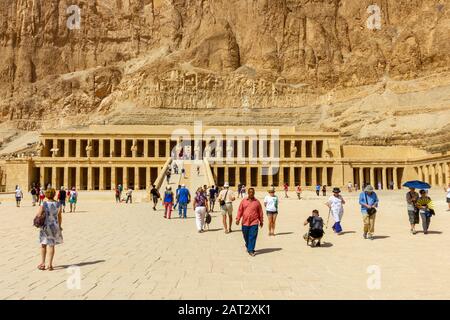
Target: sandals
41,267
50,268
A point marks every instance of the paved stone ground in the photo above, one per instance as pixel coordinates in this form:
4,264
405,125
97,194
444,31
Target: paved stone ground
131,252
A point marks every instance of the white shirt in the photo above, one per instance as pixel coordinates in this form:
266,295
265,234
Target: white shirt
336,204
18,193
271,203
448,192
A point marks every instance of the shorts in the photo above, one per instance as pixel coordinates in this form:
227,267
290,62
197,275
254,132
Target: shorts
271,212
62,202
448,200
227,209
413,216
18,199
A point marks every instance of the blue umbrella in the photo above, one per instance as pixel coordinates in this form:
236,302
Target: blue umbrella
417,184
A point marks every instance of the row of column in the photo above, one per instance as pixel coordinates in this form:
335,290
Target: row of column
435,174
388,177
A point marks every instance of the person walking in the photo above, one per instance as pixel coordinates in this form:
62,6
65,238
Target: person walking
271,205
368,200
336,206
155,196
73,198
226,198
212,198
350,187
168,202
426,210
286,189
448,196
177,192
19,196
198,170
183,173
34,195
184,197
50,234
251,213
318,189
239,190
298,191
324,190
117,195
413,212
62,198
41,196
120,192
129,195
200,206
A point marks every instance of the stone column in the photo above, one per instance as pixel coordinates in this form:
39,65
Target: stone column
281,150
302,149
394,177
281,175
53,182
78,148
112,148
101,178
433,175
419,173
125,178
372,176
361,177
225,174
100,148
147,178
66,177
291,176
313,149
145,148
113,178
66,148
238,175
168,149
384,179
270,177
448,173
123,151
439,175
157,148
136,178
302,172
325,176
42,176
90,178
55,146
313,176
249,177
78,177
259,178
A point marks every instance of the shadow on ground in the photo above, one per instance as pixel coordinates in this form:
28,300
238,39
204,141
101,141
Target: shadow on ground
81,264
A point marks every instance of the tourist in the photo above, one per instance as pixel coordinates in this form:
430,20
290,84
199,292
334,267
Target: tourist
175,168
73,199
318,189
198,170
271,205
129,195
50,233
315,232
369,202
62,198
200,208
184,197
168,202
33,195
168,173
350,186
183,173
155,196
19,196
356,187
392,185
286,189
251,214
413,212
425,206
380,186
243,191
324,190
120,192
336,206
239,189
448,196
212,198
117,194
298,191
176,196
41,196
226,198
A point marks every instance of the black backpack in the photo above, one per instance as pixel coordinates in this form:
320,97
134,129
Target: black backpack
316,223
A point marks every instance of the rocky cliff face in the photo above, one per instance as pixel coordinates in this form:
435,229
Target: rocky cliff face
317,64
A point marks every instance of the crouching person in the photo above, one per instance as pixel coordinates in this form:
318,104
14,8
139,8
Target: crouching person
315,232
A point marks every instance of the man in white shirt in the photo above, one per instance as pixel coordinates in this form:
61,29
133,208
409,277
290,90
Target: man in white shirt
448,196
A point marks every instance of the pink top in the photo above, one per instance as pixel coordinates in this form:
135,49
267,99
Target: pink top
251,212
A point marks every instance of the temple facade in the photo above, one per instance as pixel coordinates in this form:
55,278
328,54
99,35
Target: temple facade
101,157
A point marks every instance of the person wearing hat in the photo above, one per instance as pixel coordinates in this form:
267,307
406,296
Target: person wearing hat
168,202
271,205
336,205
413,213
369,202
226,198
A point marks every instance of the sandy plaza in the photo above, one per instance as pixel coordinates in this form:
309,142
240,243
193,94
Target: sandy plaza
128,251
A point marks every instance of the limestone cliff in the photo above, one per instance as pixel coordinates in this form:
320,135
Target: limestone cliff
316,64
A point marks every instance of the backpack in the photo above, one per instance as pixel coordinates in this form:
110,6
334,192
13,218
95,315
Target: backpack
316,223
